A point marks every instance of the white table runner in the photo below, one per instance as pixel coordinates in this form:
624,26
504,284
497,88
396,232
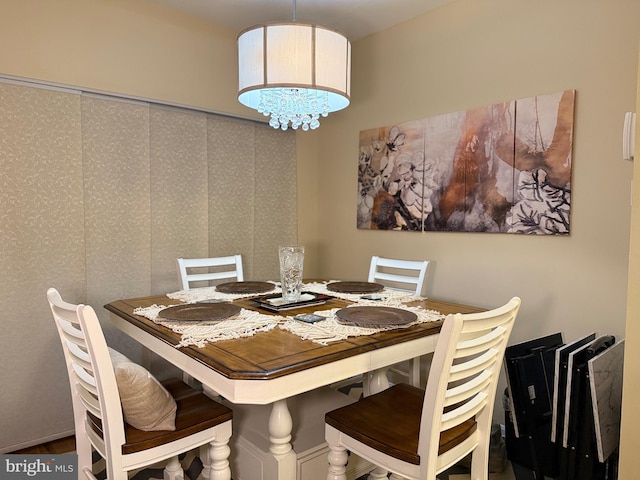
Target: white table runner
249,322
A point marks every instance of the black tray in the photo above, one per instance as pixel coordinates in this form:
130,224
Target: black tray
269,302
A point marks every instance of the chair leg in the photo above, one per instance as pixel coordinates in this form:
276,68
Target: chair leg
378,474
84,452
480,455
414,372
337,463
173,470
114,473
215,460
480,464
395,476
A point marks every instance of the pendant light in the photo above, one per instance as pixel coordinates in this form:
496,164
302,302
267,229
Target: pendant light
294,72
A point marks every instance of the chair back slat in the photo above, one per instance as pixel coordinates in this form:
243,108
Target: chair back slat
464,412
89,400
471,367
80,356
86,387
85,377
396,278
480,344
465,391
193,272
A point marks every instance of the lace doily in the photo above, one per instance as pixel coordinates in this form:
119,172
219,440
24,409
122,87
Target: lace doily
330,330
246,324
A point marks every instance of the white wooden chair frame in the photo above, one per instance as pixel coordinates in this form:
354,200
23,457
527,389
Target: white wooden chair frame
187,279
461,386
185,264
392,274
94,391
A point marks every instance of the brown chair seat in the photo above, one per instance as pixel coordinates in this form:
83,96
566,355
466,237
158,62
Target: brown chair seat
377,422
195,412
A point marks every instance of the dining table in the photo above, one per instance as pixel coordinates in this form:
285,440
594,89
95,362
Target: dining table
274,363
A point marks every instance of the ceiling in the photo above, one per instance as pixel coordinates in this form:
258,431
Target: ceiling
354,18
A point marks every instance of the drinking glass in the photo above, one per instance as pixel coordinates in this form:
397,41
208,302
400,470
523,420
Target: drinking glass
291,262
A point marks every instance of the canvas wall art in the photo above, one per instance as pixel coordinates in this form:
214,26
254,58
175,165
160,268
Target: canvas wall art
505,168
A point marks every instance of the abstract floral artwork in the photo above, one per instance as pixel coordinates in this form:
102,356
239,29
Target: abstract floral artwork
502,168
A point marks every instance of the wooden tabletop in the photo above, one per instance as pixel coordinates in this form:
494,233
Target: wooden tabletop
276,353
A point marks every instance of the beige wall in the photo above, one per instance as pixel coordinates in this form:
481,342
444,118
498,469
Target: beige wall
629,438
122,46
472,54
99,196
463,55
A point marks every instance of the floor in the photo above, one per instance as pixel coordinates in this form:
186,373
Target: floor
460,472
506,475
456,473
68,444
64,445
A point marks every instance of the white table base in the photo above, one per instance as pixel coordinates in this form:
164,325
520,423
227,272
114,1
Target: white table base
295,447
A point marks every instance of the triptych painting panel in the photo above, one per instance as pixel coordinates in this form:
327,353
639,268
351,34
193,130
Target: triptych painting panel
502,168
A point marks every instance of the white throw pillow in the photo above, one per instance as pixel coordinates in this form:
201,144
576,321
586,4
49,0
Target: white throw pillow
146,404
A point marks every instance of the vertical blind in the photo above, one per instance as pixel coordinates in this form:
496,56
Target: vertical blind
98,197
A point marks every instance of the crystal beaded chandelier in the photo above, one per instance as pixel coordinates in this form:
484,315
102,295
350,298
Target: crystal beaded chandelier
294,72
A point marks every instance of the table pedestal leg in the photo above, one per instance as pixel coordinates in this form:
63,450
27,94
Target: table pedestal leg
281,464
378,474
377,381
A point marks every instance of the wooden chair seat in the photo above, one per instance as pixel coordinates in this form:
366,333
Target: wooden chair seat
377,421
195,412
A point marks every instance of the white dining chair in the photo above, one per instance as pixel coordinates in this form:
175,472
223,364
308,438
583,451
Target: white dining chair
416,434
407,276
109,393
193,270
403,275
